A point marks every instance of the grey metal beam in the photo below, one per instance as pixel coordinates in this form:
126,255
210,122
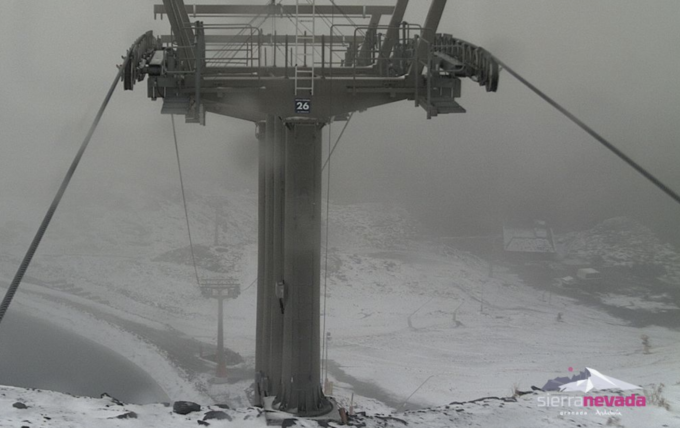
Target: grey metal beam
392,34
368,45
254,105
434,16
243,9
268,39
181,27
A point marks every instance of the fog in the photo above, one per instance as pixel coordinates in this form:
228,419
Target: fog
609,62
613,63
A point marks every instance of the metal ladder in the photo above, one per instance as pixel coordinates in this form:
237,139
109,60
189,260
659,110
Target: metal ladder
304,49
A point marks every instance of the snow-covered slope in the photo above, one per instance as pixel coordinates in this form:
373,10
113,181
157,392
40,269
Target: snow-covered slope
35,408
412,323
622,241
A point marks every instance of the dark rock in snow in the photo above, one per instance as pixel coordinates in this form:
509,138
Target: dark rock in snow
185,407
289,423
391,418
113,399
19,405
216,414
223,406
203,423
128,415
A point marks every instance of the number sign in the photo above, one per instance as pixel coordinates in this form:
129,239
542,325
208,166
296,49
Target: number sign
303,105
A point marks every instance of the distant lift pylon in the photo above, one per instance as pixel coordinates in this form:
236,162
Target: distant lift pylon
338,60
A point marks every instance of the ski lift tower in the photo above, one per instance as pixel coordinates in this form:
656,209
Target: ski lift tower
292,67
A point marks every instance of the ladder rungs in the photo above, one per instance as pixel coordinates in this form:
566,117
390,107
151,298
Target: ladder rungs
305,74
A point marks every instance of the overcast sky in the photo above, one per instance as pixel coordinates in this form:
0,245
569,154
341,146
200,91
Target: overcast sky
613,63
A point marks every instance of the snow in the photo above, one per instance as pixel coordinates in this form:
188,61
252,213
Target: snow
623,241
53,409
57,410
634,302
415,325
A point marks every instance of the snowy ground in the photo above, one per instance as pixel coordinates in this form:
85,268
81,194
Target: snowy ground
413,324
35,408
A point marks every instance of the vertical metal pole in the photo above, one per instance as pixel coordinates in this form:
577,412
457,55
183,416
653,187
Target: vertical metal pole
221,366
276,320
259,56
261,357
301,386
416,82
274,51
304,52
199,55
270,260
269,292
323,54
273,312
217,224
286,56
430,75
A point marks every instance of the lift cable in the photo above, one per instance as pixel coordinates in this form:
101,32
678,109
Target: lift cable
184,201
328,159
251,284
28,257
637,167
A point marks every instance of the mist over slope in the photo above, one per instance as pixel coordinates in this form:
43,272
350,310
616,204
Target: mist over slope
624,242
408,314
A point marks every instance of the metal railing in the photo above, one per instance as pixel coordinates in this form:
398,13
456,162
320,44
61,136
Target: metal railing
243,48
246,47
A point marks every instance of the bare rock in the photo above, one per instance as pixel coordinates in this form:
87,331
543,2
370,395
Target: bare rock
185,407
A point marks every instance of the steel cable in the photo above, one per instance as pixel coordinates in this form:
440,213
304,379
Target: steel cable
328,159
184,201
28,257
637,167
